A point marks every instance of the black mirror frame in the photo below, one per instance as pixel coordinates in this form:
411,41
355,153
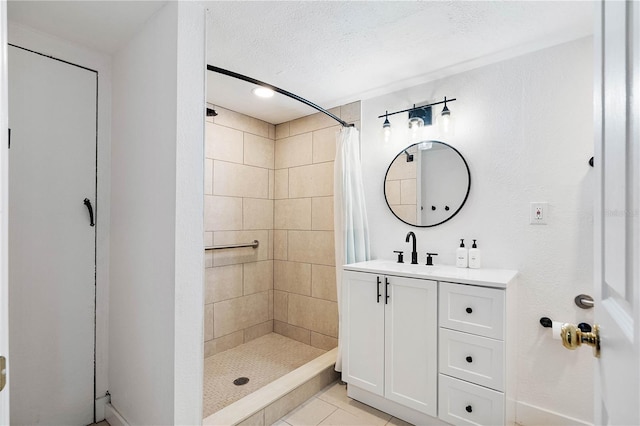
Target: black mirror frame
384,186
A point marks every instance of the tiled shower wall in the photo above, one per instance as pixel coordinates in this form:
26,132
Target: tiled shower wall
305,306
289,210
400,187
239,182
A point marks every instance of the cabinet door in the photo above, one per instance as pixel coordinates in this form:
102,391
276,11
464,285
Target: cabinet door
411,321
363,331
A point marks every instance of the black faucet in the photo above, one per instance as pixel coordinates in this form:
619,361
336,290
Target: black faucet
414,253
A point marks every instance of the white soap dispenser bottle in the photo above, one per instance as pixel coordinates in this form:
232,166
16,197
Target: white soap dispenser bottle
474,256
462,255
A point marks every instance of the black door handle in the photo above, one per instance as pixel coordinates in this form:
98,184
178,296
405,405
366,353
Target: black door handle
378,285
87,203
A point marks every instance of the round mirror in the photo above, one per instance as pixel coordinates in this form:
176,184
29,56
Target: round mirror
427,183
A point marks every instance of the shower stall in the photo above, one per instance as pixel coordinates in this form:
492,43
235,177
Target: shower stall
270,291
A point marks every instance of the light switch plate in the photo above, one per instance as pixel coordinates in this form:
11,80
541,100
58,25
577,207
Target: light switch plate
539,213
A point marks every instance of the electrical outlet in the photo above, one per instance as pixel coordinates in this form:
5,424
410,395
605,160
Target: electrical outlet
539,213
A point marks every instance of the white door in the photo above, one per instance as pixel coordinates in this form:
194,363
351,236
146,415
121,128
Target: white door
616,216
363,327
52,169
411,339
4,302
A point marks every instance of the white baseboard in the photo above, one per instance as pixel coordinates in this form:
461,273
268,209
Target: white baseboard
113,417
530,415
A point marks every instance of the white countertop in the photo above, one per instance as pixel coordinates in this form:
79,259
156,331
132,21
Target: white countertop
499,278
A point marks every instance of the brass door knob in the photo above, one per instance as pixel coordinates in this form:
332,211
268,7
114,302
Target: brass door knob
3,372
572,337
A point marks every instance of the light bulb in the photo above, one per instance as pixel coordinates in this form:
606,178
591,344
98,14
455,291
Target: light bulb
415,123
263,92
386,129
415,131
445,124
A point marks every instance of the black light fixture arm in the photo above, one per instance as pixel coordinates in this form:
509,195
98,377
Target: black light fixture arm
416,107
278,90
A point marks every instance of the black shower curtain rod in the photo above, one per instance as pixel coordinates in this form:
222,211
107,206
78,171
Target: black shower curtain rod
278,90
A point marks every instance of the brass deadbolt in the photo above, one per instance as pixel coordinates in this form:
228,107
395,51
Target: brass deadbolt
572,337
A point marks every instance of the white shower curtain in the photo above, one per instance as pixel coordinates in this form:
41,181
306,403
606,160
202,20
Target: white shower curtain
350,215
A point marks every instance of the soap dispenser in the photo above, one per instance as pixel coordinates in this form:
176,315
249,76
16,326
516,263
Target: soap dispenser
474,256
462,255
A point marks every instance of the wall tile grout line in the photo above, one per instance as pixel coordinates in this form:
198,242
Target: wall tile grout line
241,164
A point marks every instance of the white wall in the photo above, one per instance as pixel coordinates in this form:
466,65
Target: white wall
62,49
189,233
155,359
525,128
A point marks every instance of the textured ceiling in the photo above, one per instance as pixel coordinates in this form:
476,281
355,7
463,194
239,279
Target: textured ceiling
336,52
101,25
328,52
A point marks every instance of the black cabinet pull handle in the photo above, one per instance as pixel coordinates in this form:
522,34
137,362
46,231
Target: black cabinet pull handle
469,310
469,408
469,359
87,203
378,285
386,290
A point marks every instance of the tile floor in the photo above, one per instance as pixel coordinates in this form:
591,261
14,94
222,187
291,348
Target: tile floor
332,406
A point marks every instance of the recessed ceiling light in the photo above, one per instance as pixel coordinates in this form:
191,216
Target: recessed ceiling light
263,92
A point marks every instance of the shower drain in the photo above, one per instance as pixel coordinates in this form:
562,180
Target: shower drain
241,381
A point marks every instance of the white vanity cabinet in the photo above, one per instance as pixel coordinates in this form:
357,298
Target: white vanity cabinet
430,344
390,338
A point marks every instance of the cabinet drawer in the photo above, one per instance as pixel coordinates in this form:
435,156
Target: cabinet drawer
473,358
463,403
477,310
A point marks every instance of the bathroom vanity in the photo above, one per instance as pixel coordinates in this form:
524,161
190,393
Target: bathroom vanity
430,344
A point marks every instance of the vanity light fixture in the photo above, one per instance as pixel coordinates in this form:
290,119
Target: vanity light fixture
263,92
445,118
386,128
420,116
445,110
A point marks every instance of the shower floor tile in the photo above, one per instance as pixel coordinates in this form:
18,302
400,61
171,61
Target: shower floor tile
261,360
